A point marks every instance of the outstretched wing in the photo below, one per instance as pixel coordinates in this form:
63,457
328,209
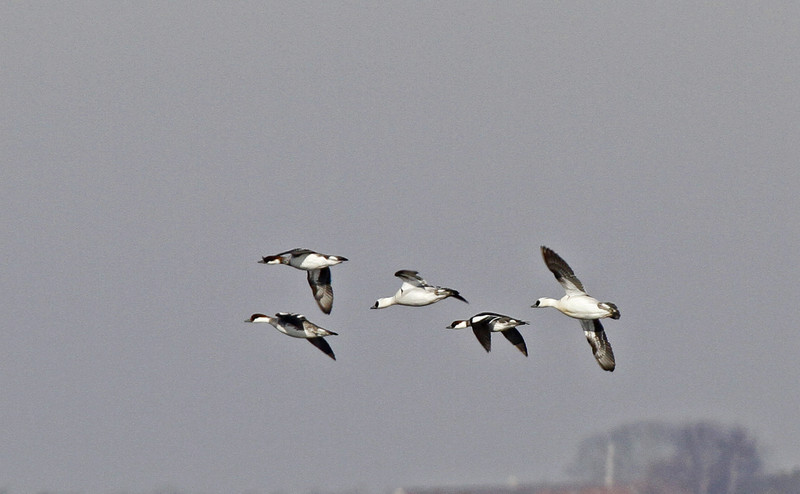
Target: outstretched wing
515,338
323,345
484,336
320,282
411,277
601,348
563,273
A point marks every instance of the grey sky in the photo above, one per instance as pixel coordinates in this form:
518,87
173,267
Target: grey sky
152,152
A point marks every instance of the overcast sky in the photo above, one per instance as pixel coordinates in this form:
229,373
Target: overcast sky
153,152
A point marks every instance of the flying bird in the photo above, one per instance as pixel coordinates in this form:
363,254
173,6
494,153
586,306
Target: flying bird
319,273
485,323
297,326
579,305
416,292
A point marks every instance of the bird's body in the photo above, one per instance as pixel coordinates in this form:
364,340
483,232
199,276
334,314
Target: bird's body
318,267
485,323
578,304
580,307
297,326
303,259
416,292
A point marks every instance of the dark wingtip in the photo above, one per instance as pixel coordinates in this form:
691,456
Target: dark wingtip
323,345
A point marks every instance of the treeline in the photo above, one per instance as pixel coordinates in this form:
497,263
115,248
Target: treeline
689,458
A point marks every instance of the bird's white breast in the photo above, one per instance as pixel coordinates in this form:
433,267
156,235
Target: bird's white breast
315,261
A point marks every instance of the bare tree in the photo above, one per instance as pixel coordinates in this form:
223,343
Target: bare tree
709,459
635,447
697,458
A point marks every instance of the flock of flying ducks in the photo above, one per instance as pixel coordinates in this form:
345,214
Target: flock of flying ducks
416,292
